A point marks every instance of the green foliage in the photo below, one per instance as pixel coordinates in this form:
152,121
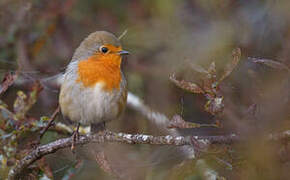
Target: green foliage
16,125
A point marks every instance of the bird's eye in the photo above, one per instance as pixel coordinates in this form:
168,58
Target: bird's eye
104,49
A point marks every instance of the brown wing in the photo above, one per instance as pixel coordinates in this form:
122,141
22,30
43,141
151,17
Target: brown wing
123,99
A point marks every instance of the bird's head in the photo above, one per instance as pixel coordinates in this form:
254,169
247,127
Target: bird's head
102,46
99,59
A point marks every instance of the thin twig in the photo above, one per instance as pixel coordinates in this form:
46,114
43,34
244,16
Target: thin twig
49,124
7,81
271,63
105,165
123,34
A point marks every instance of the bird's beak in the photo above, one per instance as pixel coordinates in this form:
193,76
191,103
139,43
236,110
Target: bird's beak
123,52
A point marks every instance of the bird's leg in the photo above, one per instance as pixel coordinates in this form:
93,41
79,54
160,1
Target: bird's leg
75,136
96,128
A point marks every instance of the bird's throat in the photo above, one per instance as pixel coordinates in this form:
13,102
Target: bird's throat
100,69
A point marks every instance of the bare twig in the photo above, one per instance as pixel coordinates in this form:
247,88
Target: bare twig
123,34
271,63
236,55
105,164
49,124
52,147
178,122
7,81
187,86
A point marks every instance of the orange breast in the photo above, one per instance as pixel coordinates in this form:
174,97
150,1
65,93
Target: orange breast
100,68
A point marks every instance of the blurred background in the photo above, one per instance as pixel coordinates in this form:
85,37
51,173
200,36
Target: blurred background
164,37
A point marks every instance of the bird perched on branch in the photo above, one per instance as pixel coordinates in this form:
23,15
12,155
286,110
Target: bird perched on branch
94,89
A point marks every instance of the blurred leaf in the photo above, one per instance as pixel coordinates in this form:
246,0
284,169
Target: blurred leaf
106,165
188,86
4,169
236,54
49,136
19,104
5,114
210,87
23,103
44,119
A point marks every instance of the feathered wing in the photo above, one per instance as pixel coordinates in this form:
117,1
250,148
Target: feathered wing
123,99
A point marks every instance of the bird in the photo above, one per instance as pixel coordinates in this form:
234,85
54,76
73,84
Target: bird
94,88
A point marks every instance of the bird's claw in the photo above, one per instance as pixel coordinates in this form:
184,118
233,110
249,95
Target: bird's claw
75,137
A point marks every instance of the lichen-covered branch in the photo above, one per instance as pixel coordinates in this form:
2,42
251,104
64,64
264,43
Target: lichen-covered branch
199,141
107,136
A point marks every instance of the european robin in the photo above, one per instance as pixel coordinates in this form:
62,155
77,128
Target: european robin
94,89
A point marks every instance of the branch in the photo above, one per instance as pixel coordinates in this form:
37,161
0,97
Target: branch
107,136
7,81
50,123
196,141
160,120
187,143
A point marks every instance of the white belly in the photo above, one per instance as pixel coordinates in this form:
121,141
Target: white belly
89,105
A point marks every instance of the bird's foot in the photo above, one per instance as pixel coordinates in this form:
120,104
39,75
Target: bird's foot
75,137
